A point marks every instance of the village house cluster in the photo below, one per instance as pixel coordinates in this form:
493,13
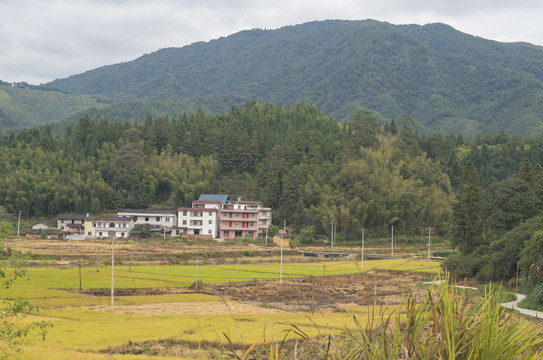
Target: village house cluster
211,216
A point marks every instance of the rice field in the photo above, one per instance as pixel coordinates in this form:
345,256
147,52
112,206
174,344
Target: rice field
83,329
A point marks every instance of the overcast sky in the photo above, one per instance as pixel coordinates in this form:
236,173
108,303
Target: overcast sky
41,40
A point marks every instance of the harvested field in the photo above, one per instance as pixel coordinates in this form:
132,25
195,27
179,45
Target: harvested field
190,308
307,293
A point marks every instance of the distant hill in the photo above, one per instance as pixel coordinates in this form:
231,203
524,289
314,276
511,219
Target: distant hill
447,80
28,107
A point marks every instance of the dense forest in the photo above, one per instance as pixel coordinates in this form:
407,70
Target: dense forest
449,81
308,167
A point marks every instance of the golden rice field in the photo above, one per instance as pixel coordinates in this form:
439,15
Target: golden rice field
84,327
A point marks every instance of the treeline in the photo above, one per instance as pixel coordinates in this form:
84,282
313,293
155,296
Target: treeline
308,167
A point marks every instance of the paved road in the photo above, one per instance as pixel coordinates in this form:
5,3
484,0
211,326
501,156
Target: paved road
514,305
511,305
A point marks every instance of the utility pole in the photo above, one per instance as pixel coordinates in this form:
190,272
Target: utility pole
282,238
19,224
392,240
267,236
112,268
362,254
332,234
429,241
97,261
516,284
80,288
197,273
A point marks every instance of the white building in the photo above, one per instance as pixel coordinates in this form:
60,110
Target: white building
108,226
156,218
200,219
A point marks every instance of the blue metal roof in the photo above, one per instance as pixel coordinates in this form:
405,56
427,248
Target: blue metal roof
214,197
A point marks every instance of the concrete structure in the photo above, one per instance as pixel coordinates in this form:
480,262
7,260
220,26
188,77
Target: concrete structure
155,218
108,226
218,217
198,220
45,225
238,220
66,220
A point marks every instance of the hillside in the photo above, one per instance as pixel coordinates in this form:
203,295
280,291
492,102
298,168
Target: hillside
20,108
446,80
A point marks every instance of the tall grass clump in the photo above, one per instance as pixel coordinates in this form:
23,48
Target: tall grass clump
446,324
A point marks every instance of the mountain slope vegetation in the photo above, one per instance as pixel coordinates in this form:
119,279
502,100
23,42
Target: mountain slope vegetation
446,80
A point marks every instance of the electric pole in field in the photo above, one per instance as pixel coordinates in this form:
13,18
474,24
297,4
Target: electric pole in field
282,238
19,224
362,254
392,240
332,234
429,240
112,268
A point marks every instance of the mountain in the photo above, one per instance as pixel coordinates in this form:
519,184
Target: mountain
447,80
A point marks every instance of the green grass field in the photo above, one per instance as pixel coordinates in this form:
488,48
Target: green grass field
80,333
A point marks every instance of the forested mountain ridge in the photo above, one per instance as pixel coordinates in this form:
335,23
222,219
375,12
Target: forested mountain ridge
448,81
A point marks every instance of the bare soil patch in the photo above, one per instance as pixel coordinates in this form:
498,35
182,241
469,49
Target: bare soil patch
314,293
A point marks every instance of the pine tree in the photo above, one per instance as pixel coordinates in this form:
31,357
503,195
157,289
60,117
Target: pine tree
467,212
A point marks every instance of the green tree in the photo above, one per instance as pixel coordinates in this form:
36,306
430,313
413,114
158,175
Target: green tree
467,212
15,332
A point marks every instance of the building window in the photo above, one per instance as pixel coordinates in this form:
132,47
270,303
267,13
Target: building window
147,218
167,219
100,233
184,213
158,218
184,222
237,224
210,213
209,232
89,233
210,222
122,234
264,213
252,215
176,232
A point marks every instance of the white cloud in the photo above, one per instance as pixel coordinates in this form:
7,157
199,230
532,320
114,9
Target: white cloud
41,40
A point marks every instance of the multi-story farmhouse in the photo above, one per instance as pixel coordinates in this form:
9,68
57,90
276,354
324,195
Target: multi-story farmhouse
108,226
218,217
